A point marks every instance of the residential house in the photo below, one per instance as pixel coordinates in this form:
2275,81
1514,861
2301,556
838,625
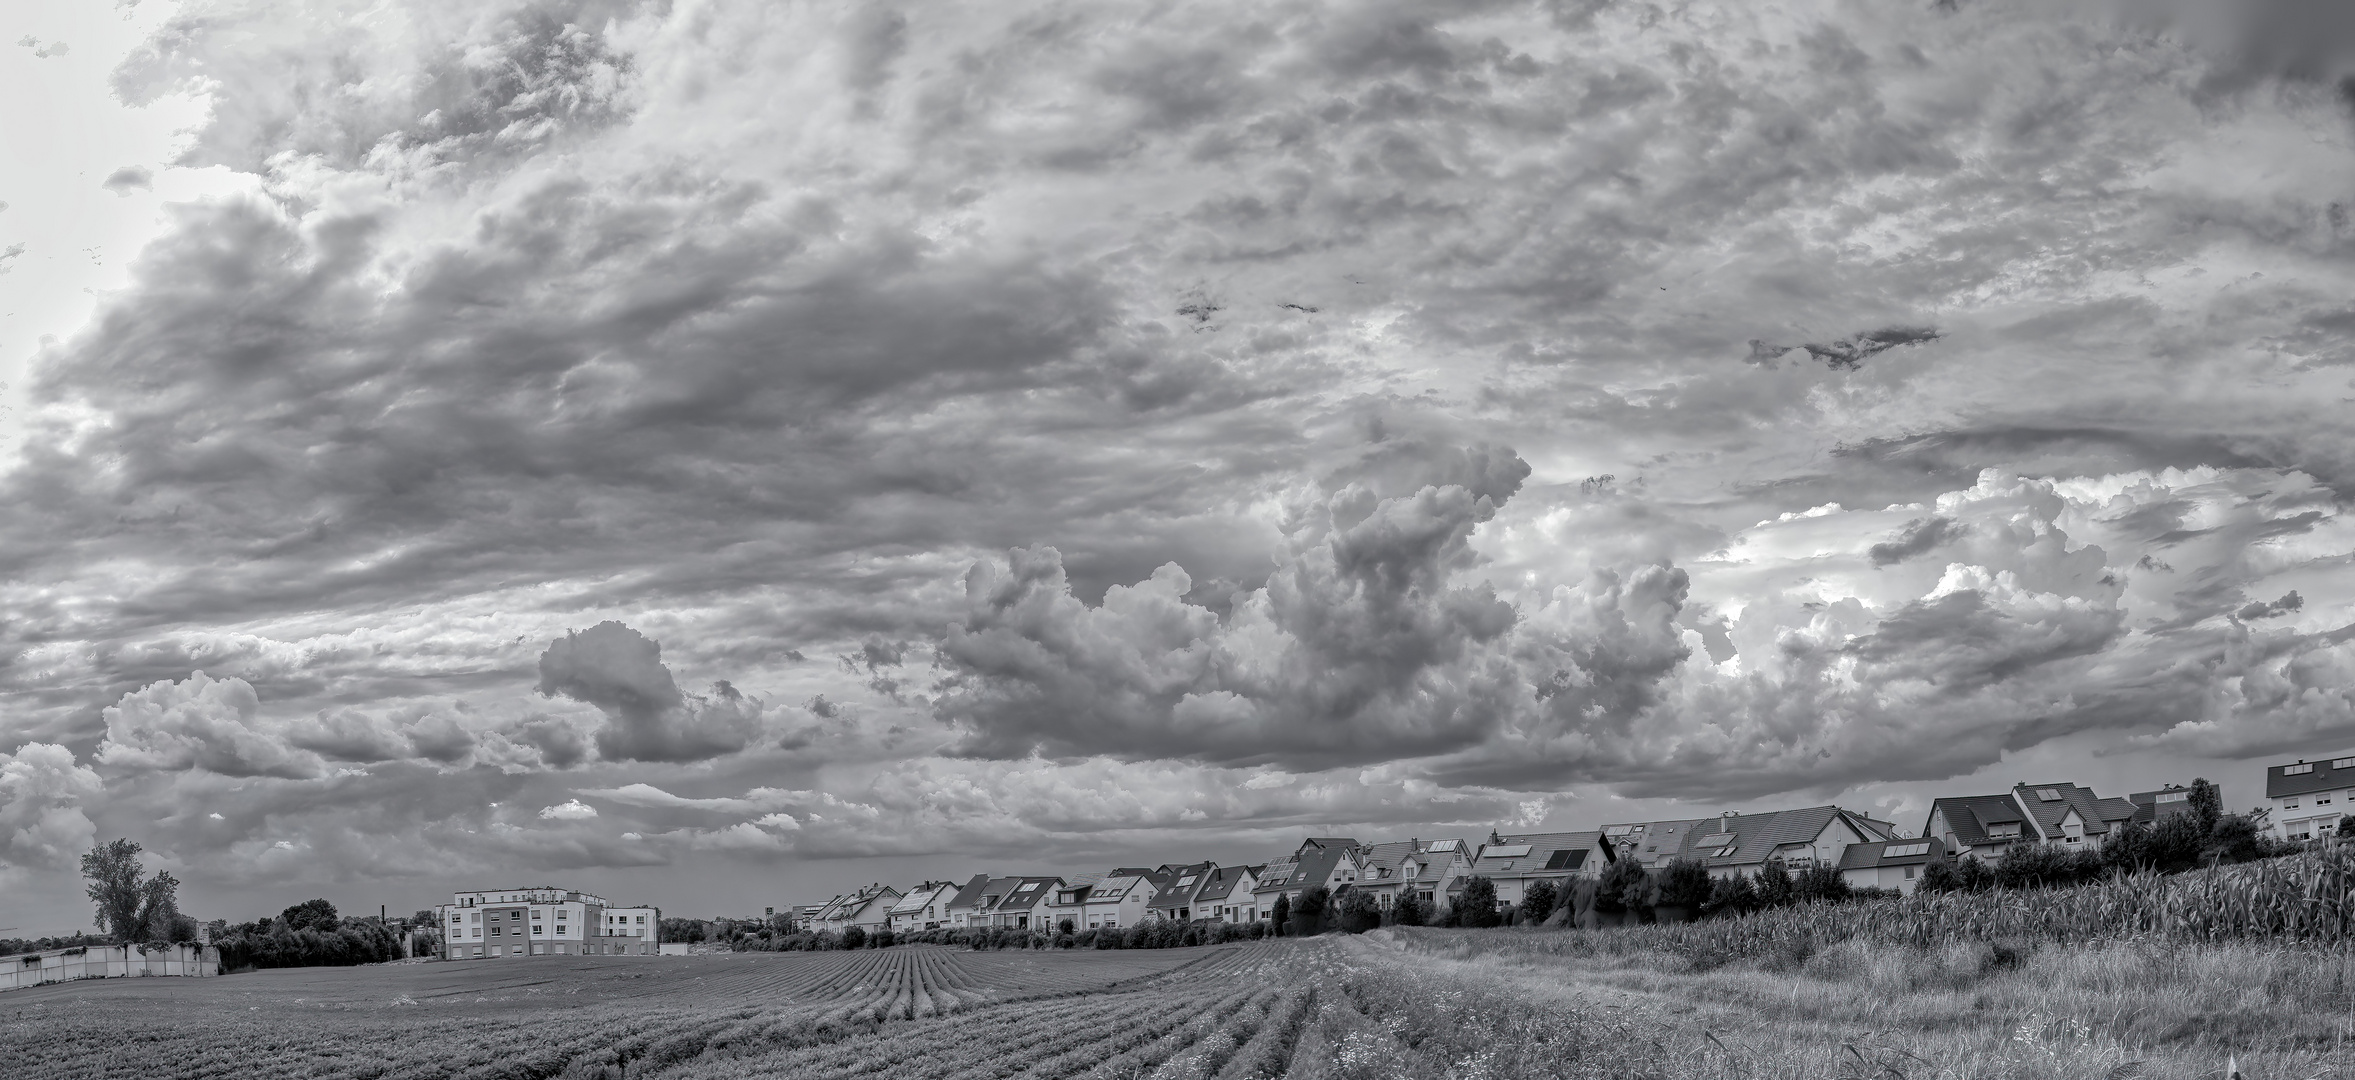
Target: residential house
1024,904
1515,863
1652,844
1986,826
1225,895
868,909
1176,902
1891,864
1981,827
1742,844
2309,797
1067,909
925,907
2073,816
2151,806
974,899
1330,861
1120,898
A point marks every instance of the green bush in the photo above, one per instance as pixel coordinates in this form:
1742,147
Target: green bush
1685,883
1539,902
1475,906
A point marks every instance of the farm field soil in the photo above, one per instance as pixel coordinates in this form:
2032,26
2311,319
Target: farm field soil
1466,1005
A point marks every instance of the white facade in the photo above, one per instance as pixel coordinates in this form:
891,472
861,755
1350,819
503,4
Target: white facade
498,923
2309,798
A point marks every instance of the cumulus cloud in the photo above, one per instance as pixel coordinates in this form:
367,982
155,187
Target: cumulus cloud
570,810
1358,648
44,799
128,179
200,723
647,718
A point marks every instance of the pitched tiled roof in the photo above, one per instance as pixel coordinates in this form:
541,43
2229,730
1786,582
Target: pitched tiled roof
919,896
2048,803
1220,884
1116,885
969,894
2314,774
1312,864
1651,841
1182,886
2151,805
1896,852
1538,853
1027,893
1974,819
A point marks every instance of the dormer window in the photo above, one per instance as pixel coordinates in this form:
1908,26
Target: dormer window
2299,769
2004,828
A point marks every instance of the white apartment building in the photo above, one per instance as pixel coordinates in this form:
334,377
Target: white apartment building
544,921
2309,797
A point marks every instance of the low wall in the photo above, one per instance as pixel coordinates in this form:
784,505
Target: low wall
108,962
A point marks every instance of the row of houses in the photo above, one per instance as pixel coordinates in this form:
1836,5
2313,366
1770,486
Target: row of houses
1864,850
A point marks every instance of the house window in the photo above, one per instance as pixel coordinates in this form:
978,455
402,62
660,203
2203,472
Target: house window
2299,769
2289,804
1909,873
2322,800
2343,763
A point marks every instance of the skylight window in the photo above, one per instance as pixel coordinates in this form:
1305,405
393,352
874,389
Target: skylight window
1185,881
2049,794
2300,769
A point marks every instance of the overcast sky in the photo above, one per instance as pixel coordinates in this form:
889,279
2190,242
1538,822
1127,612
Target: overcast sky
720,452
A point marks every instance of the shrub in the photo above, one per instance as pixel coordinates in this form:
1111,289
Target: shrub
1685,883
1774,885
1409,910
854,937
1820,884
1731,896
1358,912
1973,875
1938,877
1539,902
1475,906
1308,916
1282,914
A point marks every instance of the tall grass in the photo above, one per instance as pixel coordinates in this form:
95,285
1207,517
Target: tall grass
2307,898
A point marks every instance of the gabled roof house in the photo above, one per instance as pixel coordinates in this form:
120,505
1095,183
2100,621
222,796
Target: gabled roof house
1651,844
868,909
1891,864
1225,895
970,907
1743,844
1024,903
1175,902
1119,899
1515,863
925,907
1330,861
1986,826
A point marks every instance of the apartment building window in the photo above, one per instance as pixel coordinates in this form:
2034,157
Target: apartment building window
537,931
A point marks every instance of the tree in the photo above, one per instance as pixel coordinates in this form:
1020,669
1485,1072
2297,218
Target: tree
1539,902
311,915
130,908
1774,885
1820,883
1282,915
1732,895
1938,877
1685,883
1358,912
1973,875
1410,910
2207,804
2346,822
1475,906
1308,916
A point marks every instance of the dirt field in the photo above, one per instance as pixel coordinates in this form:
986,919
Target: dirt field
1464,1005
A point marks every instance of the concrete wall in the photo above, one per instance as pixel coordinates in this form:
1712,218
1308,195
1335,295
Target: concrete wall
108,962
